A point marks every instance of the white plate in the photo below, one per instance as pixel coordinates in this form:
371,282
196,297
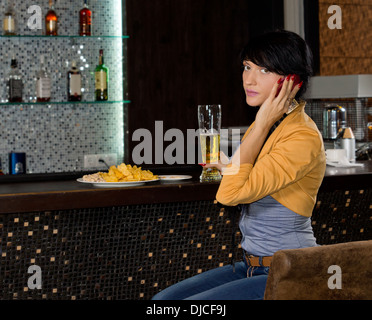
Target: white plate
174,177
116,184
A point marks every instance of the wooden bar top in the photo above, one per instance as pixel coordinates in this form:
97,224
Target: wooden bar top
28,196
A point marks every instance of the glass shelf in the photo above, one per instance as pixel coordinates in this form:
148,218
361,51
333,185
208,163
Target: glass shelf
60,102
64,36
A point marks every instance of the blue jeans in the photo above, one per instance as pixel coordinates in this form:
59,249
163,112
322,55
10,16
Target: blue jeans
246,283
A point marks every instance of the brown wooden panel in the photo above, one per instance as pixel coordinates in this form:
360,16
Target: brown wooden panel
341,66
351,2
347,50
355,37
184,53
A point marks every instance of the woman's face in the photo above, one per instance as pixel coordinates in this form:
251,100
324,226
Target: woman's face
257,83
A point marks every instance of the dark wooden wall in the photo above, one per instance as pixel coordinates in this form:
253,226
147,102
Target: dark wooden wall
347,50
182,53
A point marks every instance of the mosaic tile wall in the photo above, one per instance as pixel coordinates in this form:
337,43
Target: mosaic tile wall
133,252
55,137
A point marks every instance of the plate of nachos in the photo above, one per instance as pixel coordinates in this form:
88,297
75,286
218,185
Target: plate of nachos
123,175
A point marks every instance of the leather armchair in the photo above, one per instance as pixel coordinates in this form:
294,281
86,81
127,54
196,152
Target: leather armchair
305,274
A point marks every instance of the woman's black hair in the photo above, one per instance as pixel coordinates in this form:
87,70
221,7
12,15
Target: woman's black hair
282,52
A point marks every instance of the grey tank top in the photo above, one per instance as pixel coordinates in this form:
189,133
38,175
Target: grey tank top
267,226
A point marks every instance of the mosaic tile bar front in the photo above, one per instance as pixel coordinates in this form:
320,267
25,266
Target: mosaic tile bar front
57,135
133,252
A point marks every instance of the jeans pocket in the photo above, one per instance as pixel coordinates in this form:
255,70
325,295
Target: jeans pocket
258,271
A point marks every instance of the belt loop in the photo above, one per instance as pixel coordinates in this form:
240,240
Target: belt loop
250,271
247,258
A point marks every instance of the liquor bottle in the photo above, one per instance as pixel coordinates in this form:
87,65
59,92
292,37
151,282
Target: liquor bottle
43,83
85,20
15,82
101,79
9,22
51,21
73,83
1,169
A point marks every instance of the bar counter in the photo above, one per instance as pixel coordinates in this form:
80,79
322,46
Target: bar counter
61,195
131,242
70,194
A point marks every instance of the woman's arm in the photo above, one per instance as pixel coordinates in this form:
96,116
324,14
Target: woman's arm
291,159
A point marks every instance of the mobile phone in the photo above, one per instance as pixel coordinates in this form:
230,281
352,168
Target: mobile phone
296,81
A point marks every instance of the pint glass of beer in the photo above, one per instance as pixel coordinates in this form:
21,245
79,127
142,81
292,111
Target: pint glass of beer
209,131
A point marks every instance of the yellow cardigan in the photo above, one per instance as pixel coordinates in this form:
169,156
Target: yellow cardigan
290,167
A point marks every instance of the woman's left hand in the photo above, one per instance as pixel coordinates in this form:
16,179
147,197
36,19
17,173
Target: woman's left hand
273,107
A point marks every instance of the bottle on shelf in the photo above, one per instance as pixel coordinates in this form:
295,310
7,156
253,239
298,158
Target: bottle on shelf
15,83
51,21
73,83
43,83
85,20
1,169
9,21
101,79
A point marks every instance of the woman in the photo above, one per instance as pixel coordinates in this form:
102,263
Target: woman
274,177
